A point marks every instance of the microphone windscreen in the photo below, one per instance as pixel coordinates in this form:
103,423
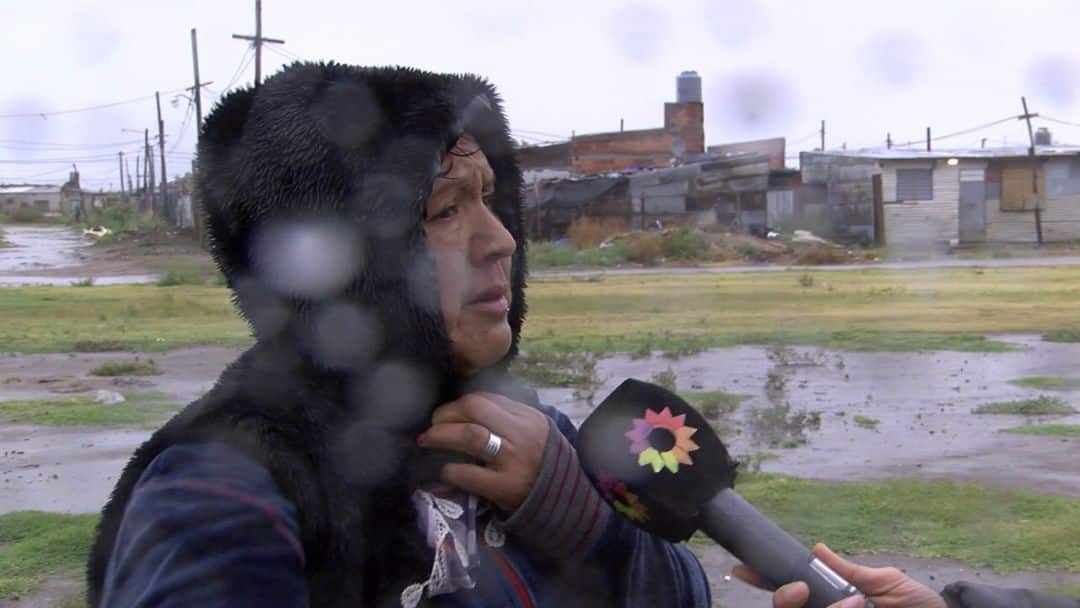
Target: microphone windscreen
654,458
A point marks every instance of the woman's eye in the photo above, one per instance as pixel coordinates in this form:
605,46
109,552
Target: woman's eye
489,201
446,213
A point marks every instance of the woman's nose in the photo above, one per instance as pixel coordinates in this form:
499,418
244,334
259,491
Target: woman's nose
492,241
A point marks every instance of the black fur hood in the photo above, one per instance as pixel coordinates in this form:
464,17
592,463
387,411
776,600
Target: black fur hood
313,187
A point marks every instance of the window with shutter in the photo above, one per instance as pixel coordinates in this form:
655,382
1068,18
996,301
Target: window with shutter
914,184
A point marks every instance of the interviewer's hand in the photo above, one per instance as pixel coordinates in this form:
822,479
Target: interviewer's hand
887,587
464,426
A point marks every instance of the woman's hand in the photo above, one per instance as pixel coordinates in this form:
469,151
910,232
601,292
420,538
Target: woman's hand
464,426
887,587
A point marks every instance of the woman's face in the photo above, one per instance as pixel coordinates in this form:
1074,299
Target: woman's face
472,251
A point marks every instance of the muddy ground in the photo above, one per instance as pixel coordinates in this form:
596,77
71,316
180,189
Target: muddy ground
922,402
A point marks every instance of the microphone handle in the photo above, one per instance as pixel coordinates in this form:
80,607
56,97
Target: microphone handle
769,551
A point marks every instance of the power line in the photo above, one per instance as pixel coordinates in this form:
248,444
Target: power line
810,135
957,133
86,109
280,52
557,137
244,62
34,176
1059,121
183,125
17,144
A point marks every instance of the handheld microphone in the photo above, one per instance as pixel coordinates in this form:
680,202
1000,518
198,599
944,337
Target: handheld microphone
659,463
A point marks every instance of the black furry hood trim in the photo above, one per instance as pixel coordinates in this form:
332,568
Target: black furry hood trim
326,163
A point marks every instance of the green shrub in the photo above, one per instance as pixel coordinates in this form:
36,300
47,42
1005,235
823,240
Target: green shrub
685,243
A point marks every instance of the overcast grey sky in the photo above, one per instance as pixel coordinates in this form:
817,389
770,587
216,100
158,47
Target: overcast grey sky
770,68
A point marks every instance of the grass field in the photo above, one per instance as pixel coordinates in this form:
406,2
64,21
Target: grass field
1047,383
1049,430
951,309
985,526
1041,405
34,545
141,410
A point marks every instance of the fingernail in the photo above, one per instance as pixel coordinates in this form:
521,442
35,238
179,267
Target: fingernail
421,439
790,593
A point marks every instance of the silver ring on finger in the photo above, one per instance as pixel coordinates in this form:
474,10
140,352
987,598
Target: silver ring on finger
492,447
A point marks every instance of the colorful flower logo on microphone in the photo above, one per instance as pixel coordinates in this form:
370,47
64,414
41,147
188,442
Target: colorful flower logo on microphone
661,440
625,502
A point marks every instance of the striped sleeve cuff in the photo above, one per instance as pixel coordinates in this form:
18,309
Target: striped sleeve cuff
563,514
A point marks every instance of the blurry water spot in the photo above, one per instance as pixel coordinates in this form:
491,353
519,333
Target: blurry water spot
367,453
397,395
264,309
638,31
29,128
1055,79
895,58
387,200
92,37
345,336
348,114
306,258
757,98
735,23
424,284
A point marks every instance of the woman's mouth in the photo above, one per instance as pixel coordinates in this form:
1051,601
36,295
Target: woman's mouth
493,300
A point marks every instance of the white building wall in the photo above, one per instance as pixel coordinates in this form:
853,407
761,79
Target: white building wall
922,223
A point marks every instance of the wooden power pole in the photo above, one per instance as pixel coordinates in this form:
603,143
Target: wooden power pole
161,145
149,173
1034,171
258,40
823,136
123,193
196,204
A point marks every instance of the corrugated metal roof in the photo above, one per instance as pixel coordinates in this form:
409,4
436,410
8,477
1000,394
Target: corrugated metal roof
915,154
29,189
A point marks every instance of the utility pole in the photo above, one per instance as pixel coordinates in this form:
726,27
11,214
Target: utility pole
823,136
161,145
150,185
927,139
888,141
258,40
1034,171
196,204
130,185
138,175
123,194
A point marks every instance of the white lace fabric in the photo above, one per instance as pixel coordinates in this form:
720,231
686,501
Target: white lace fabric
450,528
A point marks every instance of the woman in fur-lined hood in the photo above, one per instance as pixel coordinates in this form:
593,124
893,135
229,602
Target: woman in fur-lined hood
370,449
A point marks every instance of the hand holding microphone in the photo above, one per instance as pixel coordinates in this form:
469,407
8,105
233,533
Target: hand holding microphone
657,461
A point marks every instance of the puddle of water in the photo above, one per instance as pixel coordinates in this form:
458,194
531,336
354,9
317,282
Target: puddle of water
922,403
68,470
36,248
38,281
